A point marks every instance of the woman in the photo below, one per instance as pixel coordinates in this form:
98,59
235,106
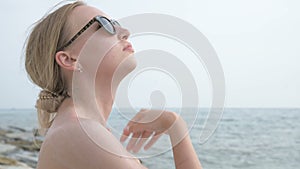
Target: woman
70,50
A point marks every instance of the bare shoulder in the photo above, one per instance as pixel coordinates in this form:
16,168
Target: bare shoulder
87,144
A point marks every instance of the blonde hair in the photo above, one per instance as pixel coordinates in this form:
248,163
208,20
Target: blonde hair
47,36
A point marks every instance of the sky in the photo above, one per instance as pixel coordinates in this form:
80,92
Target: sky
257,43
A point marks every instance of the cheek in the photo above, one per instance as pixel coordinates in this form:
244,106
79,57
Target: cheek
110,61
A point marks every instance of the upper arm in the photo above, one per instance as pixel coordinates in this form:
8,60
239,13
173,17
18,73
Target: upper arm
89,145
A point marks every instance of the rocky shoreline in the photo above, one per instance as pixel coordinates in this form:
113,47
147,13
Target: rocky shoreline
19,148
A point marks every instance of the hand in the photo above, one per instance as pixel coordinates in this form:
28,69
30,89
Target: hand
145,124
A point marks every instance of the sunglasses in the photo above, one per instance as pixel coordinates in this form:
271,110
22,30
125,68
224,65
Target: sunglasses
108,24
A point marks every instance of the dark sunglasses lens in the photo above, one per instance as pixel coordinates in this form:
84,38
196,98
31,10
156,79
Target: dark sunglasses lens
107,25
116,23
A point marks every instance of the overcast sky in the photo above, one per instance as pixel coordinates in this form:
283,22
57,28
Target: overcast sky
257,43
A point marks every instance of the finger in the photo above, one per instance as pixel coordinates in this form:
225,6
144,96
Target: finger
152,141
130,129
141,141
132,126
134,121
133,140
125,134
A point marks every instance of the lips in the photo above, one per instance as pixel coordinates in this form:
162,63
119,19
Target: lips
128,47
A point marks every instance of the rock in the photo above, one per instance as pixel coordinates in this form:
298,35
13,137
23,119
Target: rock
10,163
2,132
6,148
24,144
18,150
17,128
15,167
7,161
29,160
19,135
19,165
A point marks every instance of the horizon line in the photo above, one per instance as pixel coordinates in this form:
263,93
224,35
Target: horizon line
232,107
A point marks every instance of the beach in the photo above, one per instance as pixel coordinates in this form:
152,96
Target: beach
245,138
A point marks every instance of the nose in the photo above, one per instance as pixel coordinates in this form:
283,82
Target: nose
123,34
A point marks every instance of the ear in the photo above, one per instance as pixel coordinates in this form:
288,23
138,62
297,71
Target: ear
65,60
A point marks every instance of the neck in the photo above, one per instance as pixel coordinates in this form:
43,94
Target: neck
94,104
105,94
105,91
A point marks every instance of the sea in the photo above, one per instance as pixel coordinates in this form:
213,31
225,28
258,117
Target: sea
250,138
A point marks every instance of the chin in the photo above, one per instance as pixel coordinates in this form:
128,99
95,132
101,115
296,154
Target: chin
129,64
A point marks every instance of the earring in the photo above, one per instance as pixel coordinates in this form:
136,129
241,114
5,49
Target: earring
79,67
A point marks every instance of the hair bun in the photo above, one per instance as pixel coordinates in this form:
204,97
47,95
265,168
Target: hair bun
49,101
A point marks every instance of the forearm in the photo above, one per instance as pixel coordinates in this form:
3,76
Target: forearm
183,151
185,155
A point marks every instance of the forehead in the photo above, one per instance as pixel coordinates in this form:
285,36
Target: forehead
81,15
